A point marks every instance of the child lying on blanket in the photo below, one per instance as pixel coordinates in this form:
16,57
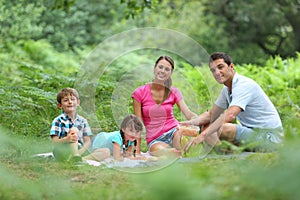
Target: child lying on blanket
119,144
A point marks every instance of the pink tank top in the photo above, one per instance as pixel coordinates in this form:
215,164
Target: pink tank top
157,119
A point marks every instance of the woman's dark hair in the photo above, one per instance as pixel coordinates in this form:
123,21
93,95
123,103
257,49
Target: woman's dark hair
168,82
220,55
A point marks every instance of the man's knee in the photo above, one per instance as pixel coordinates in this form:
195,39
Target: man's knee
228,132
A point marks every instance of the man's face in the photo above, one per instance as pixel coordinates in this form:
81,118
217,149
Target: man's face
221,71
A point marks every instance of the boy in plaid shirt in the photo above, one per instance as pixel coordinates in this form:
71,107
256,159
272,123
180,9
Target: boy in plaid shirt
70,132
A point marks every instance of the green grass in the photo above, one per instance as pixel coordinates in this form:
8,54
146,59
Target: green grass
257,176
209,179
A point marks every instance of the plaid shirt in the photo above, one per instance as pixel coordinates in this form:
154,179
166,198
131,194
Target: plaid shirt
62,124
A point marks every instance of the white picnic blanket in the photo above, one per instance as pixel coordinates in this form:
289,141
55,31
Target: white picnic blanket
127,163
149,164
149,161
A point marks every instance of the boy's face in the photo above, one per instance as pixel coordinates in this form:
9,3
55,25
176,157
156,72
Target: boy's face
69,104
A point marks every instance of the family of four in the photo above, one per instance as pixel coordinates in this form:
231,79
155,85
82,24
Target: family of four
242,113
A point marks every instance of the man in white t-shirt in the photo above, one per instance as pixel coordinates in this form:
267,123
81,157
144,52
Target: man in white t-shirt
241,99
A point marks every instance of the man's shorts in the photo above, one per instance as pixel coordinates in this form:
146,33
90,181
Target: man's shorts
265,136
165,138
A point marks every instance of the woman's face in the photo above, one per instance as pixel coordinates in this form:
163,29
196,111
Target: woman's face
163,70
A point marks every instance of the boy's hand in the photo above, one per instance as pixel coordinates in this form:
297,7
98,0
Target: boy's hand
73,135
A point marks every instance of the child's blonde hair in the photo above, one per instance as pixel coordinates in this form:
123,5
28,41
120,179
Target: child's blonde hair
66,91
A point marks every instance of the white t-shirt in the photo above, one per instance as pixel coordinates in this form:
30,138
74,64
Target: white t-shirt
257,109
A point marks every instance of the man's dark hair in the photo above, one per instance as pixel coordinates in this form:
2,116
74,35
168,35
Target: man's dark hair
220,55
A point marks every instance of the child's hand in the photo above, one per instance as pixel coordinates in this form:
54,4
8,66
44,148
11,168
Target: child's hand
73,135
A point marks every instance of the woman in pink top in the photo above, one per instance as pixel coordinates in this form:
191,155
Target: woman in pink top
154,103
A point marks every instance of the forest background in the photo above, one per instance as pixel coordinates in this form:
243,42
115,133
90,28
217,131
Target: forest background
48,45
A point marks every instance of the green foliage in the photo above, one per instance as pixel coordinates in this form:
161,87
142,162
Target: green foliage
281,81
20,20
31,75
248,30
194,88
136,7
63,4
26,110
65,24
272,29
43,53
197,20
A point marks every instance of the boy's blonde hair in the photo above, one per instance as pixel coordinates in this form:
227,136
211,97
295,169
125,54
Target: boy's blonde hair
66,91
